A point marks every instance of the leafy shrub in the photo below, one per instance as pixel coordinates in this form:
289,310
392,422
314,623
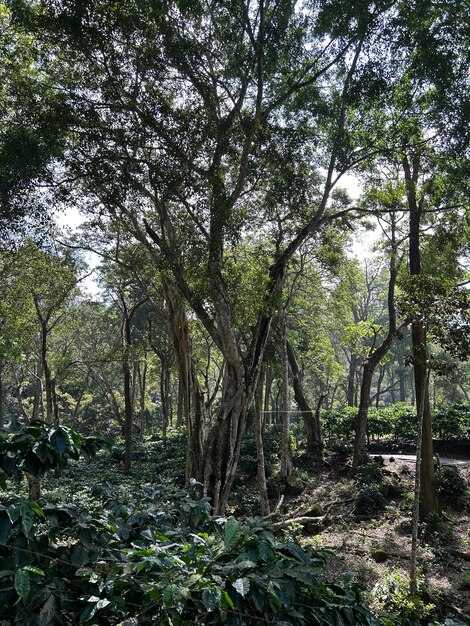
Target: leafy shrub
369,473
155,555
369,485
449,482
369,499
436,531
453,421
394,604
160,556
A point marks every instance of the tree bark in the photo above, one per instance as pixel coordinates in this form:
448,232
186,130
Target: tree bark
261,468
373,359
286,461
2,416
428,494
311,420
351,388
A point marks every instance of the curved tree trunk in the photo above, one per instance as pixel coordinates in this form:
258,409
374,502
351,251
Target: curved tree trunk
373,359
311,420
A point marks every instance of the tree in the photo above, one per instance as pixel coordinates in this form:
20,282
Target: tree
200,116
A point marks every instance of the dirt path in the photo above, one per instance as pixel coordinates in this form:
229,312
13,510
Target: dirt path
411,458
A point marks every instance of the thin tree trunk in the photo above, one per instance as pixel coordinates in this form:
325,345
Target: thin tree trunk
379,386
258,423
267,419
19,397
126,371
2,369
372,361
351,388
416,502
47,372
55,405
428,494
37,401
286,461
164,401
311,420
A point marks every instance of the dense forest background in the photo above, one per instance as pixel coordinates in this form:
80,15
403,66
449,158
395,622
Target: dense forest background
231,338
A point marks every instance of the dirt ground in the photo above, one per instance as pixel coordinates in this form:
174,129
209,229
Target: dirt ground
370,548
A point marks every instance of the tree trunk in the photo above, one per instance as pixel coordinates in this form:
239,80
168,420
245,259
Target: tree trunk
373,359
37,401
2,417
351,389
224,441
428,494
164,400
286,461
55,405
267,417
34,487
360,456
47,372
258,424
311,420
126,371
142,394
19,397
379,386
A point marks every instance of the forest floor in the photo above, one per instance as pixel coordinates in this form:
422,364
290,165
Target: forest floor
376,549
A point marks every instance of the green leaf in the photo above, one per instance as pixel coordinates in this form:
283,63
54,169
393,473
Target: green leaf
22,585
59,442
90,611
47,612
211,598
5,526
34,506
227,599
233,531
242,585
27,518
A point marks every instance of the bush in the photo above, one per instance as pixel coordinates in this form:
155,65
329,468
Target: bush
449,483
369,485
369,500
394,604
158,555
369,473
436,531
453,421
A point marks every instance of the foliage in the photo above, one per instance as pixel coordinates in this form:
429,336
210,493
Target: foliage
450,483
452,421
398,421
394,604
160,556
369,484
272,437
154,553
39,446
436,530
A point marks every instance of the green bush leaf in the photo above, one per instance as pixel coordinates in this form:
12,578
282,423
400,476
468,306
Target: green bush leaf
47,612
27,518
242,585
59,442
211,598
233,531
22,585
5,527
